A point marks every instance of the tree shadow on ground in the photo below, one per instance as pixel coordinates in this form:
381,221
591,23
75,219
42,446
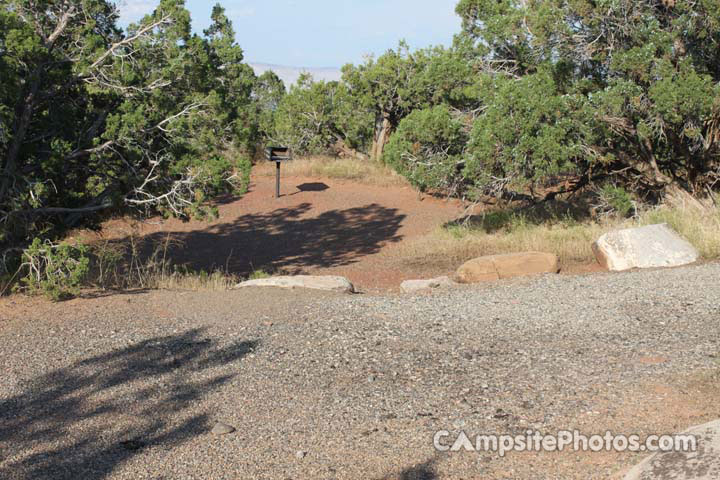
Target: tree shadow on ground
86,419
513,215
422,471
284,240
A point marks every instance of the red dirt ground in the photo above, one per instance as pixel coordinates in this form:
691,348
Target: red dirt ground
318,226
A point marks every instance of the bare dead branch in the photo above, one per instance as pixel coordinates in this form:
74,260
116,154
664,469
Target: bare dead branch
126,41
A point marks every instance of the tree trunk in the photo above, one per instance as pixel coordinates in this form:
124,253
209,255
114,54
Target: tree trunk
676,196
383,128
342,150
21,127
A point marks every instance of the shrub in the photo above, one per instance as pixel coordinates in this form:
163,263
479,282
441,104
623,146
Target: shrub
258,275
427,149
56,271
613,200
618,88
525,136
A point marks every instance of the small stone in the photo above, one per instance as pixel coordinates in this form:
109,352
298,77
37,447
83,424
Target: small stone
300,454
457,424
413,286
134,444
222,429
500,414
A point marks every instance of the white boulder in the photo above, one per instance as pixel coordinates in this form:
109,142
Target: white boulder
315,282
644,247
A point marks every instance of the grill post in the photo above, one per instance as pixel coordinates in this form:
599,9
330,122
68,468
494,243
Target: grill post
278,155
277,180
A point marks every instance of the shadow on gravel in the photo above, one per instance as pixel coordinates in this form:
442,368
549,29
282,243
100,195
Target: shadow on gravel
423,471
283,240
83,420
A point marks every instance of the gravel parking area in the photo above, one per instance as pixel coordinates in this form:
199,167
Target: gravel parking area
324,386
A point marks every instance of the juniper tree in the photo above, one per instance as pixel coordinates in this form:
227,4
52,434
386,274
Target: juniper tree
267,94
94,118
401,81
315,115
626,89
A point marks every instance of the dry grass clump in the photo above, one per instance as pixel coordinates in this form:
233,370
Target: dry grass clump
202,281
127,265
699,227
570,239
362,171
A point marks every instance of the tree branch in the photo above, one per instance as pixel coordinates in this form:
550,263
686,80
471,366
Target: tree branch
61,210
60,28
89,151
129,40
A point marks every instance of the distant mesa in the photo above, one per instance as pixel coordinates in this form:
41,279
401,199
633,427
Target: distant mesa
289,75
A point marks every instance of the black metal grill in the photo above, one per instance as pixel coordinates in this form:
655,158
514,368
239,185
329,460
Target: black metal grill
278,155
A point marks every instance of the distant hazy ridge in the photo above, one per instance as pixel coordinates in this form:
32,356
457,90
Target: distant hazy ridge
289,75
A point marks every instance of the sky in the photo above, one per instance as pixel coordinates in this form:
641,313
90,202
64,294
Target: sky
321,33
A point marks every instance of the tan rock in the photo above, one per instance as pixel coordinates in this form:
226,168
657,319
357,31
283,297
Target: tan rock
495,267
478,270
221,428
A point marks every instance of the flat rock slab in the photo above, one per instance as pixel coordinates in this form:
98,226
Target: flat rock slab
324,282
702,464
652,246
496,267
413,286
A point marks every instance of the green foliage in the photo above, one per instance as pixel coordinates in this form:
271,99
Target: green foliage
97,119
56,271
258,275
623,88
313,116
427,148
401,81
529,132
614,200
267,95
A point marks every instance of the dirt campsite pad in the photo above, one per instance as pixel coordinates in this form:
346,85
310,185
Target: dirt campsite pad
317,227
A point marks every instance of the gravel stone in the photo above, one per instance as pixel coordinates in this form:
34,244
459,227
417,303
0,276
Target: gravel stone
630,352
222,429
